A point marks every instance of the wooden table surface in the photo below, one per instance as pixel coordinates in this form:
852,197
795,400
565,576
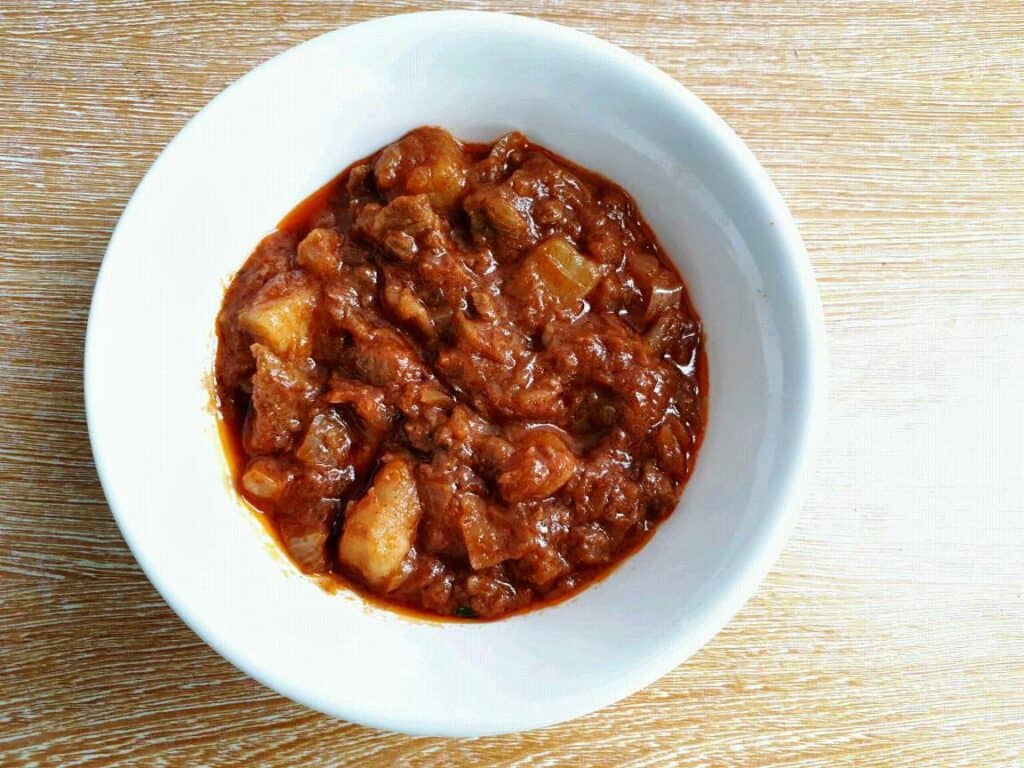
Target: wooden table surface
891,631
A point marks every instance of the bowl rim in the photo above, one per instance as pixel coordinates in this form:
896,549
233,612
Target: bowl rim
810,383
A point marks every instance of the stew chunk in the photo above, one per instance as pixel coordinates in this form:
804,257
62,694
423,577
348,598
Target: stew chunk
379,527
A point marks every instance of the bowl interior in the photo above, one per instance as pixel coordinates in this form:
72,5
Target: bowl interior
280,133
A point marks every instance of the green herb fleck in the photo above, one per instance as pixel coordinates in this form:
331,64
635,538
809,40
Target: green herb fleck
465,612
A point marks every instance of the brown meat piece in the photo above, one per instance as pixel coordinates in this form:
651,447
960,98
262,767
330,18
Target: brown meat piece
282,395
425,161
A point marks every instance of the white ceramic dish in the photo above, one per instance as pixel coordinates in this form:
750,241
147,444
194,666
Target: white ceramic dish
281,132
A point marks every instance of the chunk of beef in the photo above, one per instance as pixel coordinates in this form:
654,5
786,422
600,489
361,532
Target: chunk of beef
282,395
402,226
320,252
426,161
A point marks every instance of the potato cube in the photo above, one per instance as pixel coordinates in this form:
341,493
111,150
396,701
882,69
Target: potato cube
380,527
265,478
281,315
308,549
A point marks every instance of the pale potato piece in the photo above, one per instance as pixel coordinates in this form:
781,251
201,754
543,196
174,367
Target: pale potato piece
379,528
264,478
562,270
308,548
282,322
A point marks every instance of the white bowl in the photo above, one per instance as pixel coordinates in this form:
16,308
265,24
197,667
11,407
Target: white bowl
288,127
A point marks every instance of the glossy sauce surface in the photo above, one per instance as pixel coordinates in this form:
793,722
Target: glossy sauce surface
461,378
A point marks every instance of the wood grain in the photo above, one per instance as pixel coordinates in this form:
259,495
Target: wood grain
890,633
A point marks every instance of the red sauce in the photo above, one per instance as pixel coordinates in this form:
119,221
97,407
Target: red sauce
461,379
